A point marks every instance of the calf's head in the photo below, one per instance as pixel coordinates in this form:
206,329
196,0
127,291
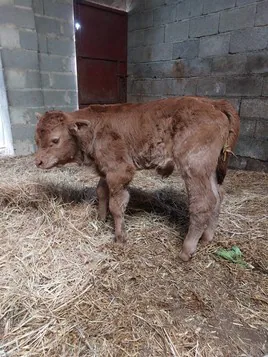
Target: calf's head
56,140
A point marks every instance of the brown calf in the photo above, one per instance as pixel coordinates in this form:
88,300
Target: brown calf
193,133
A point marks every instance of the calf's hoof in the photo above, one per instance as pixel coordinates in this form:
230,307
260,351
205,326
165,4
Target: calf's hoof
120,239
206,238
185,256
102,216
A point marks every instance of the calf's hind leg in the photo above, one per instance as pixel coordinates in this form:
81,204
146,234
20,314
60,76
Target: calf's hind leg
103,197
202,203
208,234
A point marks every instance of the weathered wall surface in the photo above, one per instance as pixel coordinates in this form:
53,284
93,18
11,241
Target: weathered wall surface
115,4
216,48
38,59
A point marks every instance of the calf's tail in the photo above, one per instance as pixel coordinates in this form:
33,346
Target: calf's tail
228,147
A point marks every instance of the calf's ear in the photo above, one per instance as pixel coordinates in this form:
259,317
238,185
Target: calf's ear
38,115
77,125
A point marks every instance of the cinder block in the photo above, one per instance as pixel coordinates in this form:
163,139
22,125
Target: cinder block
159,87
214,45
58,98
28,40
244,86
237,162
253,148
45,25
254,108
181,68
70,2
257,165
189,8
71,99
42,43
186,49
9,37
46,81
171,87
135,55
197,67
217,5
135,38
22,79
139,21
56,9
204,25
161,52
245,2
153,70
145,98
135,6
262,14
16,15
33,79
211,86
19,58
238,18
230,64
164,15
23,132
51,63
69,64
67,29
23,147
141,87
171,2
63,81
25,3
261,129
38,6
249,39
60,47
247,127
150,4
154,35
177,31
25,98
139,54
22,115
15,78
184,86
6,2
265,86
257,63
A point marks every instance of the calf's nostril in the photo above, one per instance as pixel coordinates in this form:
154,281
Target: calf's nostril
38,162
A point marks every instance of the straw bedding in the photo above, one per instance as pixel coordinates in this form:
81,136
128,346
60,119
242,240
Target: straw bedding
67,290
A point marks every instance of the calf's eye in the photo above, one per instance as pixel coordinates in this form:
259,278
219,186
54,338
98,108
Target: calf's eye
55,140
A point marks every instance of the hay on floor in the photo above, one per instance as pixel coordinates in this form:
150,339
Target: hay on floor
67,290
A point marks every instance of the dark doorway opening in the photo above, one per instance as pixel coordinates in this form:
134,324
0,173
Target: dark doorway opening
101,52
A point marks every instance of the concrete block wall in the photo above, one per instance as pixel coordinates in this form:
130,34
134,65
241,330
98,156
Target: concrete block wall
216,48
38,58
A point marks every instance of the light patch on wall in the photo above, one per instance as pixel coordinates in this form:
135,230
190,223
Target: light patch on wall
6,145
77,26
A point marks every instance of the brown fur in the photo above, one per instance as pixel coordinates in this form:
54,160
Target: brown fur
193,133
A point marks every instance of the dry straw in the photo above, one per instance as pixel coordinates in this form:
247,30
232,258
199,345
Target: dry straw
67,290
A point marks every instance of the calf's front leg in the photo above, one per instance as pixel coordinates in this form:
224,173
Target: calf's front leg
117,204
118,198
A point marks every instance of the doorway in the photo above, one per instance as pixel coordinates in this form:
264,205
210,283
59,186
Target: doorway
101,53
